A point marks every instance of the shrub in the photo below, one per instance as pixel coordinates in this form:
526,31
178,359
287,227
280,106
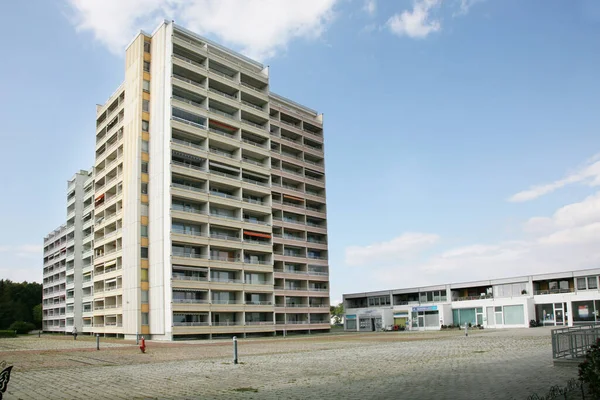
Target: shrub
533,323
7,334
589,369
22,327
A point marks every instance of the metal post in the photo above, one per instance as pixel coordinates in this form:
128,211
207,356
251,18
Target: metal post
137,338
97,341
235,350
466,329
39,333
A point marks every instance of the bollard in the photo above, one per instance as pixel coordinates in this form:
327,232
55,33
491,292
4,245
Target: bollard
466,329
39,333
137,338
235,352
97,341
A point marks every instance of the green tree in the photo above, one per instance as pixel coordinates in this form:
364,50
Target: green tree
17,301
337,312
37,315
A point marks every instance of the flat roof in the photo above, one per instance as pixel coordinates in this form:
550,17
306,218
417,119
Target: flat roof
484,282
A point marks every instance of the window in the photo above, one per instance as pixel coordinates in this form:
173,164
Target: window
592,282
144,167
144,230
144,318
146,105
144,252
146,66
144,275
145,146
581,284
146,86
144,210
145,126
147,47
144,294
144,188
513,315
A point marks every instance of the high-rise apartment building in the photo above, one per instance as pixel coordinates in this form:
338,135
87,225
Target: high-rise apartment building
209,200
67,251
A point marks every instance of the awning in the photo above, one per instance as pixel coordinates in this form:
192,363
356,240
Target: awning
110,263
110,280
187,156
257,234
218,165
212,121
100,197
176,289
292,197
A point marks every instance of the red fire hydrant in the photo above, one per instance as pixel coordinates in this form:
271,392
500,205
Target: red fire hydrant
143,346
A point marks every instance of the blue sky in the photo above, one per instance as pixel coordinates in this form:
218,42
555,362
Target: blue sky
462,137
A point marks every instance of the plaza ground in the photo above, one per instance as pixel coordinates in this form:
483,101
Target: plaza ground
488,364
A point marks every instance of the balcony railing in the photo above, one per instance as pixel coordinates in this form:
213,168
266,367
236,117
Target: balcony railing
185,121
188,101
245,121
187,60
190,301
186,80
223,133
191,324
553,291
217,91
188,165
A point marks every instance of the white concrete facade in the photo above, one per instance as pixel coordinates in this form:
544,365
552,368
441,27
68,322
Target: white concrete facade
558,299
67,250
209,199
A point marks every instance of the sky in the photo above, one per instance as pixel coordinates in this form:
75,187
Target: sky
461,136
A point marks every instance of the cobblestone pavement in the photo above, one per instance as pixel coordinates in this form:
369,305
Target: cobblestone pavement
503,364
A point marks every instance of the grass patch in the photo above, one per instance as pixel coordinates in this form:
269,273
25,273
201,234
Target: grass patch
246,389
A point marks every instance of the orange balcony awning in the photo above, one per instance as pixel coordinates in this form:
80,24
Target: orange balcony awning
212,121
292,197
257,234
100,197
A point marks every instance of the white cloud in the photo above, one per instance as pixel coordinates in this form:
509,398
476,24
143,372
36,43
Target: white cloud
569,239
259,28
370,7
416,23
465,6
588,174
399,248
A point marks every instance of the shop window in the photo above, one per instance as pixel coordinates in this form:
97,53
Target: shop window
514,315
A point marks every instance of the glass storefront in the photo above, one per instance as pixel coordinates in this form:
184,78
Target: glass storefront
586,312
551,314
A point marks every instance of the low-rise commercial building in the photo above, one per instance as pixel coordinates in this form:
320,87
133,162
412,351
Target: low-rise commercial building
556,299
